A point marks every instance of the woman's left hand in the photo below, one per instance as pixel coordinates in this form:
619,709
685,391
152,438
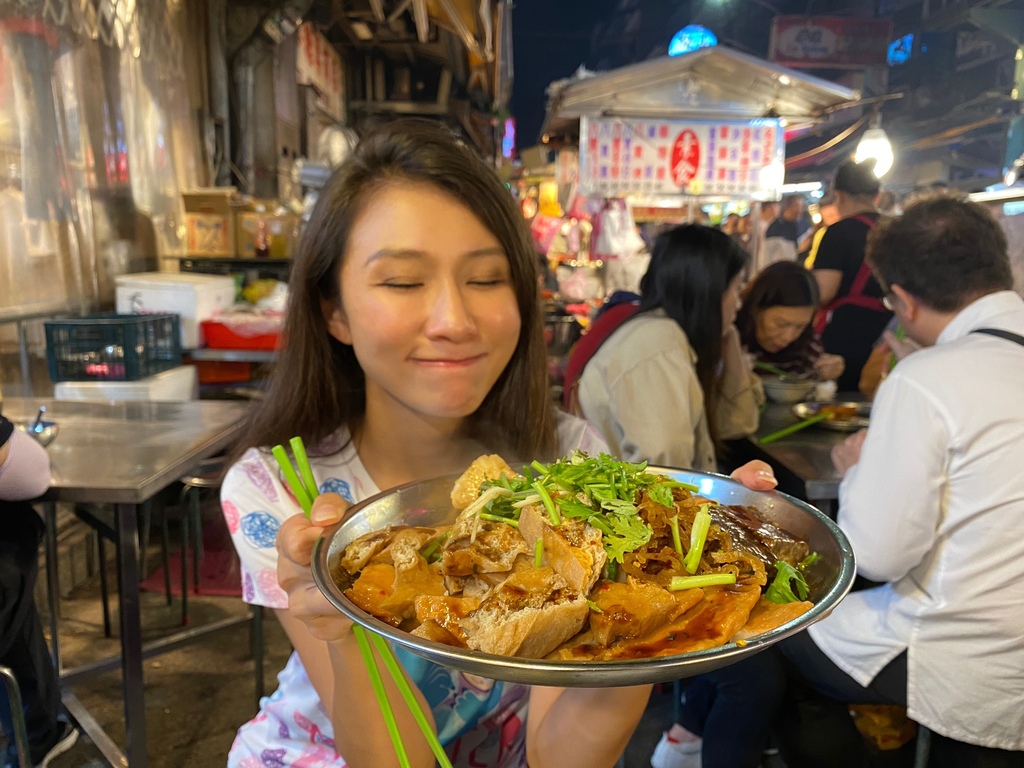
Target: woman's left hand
756,475
829,367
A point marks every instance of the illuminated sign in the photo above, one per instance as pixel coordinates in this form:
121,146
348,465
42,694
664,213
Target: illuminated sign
690,38
900,50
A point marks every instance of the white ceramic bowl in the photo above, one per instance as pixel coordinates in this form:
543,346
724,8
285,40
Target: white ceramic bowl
787,390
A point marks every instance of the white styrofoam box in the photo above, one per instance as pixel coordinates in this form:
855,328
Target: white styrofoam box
177,384
194,297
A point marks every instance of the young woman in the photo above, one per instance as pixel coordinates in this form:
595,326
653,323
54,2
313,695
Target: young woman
671,380
415,343
775,322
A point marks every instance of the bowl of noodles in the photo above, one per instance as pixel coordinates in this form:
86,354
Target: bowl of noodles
586,572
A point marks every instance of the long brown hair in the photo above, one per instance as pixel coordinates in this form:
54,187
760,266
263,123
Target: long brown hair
317,385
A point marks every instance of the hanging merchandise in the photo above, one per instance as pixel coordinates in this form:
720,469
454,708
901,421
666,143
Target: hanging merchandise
615,234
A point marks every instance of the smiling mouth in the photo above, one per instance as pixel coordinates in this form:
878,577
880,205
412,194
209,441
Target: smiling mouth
448,362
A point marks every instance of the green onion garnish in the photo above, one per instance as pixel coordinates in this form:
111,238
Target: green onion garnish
704,580
698,537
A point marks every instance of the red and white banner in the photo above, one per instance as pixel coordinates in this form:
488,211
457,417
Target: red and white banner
319,65
621,156
829,42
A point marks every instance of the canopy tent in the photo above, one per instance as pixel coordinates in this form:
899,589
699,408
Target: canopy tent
714,83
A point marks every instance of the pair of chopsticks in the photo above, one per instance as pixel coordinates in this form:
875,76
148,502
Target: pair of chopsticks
301,481
771,438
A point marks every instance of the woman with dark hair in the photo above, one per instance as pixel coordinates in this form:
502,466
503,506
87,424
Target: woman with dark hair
775,322
672,381
414,345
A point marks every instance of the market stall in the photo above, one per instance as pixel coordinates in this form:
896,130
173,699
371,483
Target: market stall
661,140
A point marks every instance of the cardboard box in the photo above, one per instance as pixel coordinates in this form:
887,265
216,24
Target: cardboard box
192,296
281,231
210,221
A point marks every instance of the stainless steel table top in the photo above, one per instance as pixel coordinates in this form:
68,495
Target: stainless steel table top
807,453
126,452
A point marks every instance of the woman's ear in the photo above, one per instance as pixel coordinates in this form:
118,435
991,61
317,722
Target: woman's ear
337,323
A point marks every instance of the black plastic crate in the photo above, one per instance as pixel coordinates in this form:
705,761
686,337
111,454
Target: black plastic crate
112,347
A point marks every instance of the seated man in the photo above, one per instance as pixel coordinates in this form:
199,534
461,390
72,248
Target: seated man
931,491
25,474
932,500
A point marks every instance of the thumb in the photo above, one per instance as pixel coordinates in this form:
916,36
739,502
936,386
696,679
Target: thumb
328,509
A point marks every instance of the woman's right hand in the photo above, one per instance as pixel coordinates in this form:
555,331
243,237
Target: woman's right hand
295,540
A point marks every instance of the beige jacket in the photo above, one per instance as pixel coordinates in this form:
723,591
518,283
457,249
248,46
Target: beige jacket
641,391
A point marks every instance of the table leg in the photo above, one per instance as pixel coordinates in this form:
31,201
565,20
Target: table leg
23,359
52,581
131,634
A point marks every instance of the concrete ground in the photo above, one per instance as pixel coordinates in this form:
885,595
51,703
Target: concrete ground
196,697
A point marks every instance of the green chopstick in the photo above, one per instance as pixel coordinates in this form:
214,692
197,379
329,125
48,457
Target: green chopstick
382,695
792,428
303,485
301,496
410,699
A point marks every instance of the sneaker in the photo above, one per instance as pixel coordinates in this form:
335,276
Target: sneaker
67,739
673,753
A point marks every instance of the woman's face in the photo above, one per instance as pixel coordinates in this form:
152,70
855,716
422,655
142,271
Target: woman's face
731,302
427,304
778,327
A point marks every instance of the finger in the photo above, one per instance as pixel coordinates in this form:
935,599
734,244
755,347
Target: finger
328,509
295,539
756,475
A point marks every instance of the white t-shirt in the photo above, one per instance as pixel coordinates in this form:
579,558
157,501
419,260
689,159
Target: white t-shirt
479,721
935,508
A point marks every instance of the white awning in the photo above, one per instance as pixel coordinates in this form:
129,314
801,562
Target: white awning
708,84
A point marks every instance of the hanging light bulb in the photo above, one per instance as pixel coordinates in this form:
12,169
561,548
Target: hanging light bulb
874,144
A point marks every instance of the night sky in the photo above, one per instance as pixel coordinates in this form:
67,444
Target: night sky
551,38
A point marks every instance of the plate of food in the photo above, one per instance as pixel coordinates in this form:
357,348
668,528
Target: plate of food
844,417
585,572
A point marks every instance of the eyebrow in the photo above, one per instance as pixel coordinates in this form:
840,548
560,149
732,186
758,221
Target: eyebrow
412,253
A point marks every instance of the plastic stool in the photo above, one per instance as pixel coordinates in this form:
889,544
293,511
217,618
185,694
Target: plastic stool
17,717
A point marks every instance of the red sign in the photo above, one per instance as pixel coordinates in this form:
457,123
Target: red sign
829,42
685,158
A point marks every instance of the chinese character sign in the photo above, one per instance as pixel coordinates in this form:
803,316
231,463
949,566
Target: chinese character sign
620,156
319,65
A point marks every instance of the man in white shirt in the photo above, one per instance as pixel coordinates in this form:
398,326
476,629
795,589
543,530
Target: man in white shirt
932,496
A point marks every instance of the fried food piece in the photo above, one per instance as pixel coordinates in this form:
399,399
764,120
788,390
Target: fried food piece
467,487
573,548
446,612
493,549
768,615
375,584
528,615
630,609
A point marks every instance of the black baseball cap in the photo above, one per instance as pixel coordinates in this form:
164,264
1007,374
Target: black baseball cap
857,178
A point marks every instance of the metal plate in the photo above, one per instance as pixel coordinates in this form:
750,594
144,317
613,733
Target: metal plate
859,421
428,504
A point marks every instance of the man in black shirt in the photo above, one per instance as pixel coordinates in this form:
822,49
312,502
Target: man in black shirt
852,315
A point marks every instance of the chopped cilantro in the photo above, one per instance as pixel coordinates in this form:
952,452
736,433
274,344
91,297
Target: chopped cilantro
788,586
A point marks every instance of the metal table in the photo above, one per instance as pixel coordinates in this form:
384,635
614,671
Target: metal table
803,458
124,453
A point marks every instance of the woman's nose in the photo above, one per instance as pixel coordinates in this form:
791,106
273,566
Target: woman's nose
451,316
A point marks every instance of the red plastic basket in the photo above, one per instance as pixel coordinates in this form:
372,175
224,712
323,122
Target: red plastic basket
220,336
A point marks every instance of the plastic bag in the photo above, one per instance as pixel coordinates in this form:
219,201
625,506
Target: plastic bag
615,234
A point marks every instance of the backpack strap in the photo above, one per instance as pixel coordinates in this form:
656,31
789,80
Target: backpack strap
1008,335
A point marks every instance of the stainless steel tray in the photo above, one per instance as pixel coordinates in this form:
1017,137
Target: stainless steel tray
858,421
428,504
